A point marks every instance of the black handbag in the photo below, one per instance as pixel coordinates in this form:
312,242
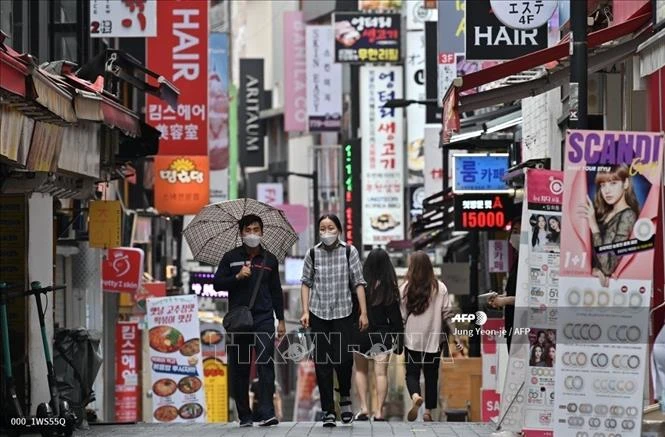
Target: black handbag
240,319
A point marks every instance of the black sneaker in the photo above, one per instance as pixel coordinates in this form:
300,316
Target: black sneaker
246,423
269,422
329,420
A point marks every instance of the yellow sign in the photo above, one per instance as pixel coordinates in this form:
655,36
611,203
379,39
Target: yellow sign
217,390
105,224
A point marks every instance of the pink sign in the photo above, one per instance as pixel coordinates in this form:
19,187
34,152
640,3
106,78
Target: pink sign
295,80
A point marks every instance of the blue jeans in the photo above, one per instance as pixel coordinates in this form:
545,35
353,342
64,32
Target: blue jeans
239,359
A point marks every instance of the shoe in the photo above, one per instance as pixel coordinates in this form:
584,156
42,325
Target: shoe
269,422
361,417
378,419
345,410
427,417
329,420
413,412
246,423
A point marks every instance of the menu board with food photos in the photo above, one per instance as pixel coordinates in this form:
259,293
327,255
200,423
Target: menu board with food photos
176,365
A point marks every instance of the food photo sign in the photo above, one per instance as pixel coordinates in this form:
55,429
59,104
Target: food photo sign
175,359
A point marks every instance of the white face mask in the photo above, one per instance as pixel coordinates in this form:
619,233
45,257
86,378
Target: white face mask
251,240
328,238
515,241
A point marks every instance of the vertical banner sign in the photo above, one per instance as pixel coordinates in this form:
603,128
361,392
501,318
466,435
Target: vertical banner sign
180,53
218,116
488,38
127,370
535,338
382,155
415,114
324,81
113,19
433,161
176,369
433,113
215,370
295,71
497,256
611,207
250,128
352,188
490,397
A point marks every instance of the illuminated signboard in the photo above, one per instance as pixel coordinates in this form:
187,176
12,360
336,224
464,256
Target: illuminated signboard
481,212
480,172
200,284
352,208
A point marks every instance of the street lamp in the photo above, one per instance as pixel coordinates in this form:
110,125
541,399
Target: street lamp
403,103
314,176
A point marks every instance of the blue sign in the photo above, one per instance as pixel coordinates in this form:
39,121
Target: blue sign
480,172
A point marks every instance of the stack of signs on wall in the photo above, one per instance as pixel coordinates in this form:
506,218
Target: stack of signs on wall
612,191
528,393
175,359
382,155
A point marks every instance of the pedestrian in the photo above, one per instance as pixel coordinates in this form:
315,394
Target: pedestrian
383,334
425,307
238,273
331,273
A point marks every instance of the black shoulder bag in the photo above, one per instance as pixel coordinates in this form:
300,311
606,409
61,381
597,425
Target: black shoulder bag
240,319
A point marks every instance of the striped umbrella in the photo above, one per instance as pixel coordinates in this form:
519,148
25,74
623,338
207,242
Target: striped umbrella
215,230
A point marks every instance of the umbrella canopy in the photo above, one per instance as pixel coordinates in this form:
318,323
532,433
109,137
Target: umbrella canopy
215,231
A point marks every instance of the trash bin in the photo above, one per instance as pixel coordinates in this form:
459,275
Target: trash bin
77,358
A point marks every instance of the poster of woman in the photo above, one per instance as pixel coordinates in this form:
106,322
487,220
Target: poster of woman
611,193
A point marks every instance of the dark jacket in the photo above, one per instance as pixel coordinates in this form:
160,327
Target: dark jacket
269,297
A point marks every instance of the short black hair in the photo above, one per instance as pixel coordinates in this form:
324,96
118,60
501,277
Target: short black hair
333,218
250,219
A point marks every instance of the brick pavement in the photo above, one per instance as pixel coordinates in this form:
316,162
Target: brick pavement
294,429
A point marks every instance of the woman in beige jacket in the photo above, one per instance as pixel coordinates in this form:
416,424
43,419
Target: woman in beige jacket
425,307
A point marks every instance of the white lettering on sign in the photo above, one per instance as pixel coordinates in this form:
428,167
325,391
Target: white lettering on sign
491,36
252,109
188,65
300,71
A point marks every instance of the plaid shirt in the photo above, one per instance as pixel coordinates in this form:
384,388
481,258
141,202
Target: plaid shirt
330,297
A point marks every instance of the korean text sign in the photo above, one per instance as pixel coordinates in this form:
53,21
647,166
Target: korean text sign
181,184
481,211
367,38
479,172
324,81
179,52
127,370
123,19
382,155
175,359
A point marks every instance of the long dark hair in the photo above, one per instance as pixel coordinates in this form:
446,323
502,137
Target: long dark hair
333,218
421,283
616,173
381,279
536,230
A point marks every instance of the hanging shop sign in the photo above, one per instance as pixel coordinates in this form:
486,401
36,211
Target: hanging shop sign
488,38
201,284
127,371
324,81
536,341
180,52
218,116
250,127
417,14
612,188
474,172
382,155
123,19
270,193
181,184
415,114
451,31
367,38
524,14
122,270
176,368
352,196
105,224
475,212
433,161
295,72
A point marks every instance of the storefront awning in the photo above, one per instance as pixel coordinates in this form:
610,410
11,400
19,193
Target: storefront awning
601,55
652,54
14,71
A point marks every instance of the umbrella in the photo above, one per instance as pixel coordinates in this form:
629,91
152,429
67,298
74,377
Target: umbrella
214,231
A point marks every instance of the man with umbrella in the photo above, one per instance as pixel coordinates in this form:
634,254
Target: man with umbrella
238,272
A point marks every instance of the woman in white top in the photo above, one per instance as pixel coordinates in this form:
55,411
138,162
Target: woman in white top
425,307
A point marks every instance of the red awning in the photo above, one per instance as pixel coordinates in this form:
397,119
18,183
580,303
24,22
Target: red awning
14,70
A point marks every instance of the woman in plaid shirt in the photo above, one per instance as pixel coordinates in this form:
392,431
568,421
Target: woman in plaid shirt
331,271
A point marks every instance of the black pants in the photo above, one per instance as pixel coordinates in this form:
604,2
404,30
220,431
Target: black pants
331,351
429,365
239,358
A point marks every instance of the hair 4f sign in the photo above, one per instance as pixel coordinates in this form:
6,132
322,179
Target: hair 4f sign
122,270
